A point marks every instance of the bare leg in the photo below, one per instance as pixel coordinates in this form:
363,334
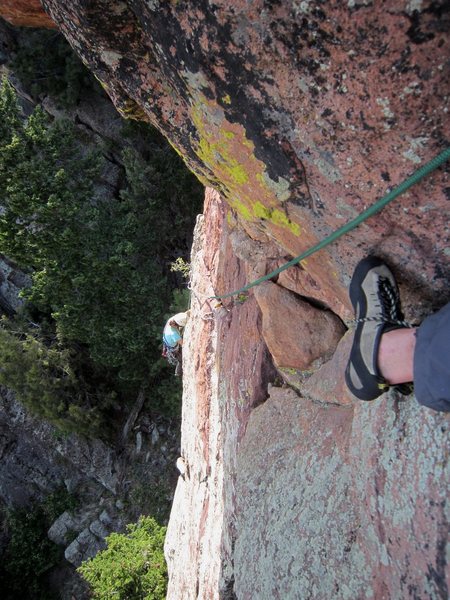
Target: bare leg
396,355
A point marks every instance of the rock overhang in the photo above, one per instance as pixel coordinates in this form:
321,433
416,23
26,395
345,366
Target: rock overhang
301,115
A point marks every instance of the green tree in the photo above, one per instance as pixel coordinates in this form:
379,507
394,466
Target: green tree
28,557
99,265
45,64
10,123
46,185
44,380
29,554
132,567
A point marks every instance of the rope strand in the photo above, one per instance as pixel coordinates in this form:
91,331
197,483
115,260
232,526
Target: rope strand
422,172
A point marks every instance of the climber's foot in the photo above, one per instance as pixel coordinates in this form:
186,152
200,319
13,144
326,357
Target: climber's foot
375,299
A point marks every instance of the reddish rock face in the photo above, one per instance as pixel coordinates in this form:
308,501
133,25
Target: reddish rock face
301,114
226,369
327,384
296,333
309,494
25,13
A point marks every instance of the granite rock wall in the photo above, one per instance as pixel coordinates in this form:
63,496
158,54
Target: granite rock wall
226,368
342,502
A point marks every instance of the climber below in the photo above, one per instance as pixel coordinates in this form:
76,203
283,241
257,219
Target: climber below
386,351
173,339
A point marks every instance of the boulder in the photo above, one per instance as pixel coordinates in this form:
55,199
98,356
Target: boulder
99,529
327,384
296,333
298,280
105,518
85,546
63,527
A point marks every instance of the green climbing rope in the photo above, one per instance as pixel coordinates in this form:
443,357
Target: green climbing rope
422,172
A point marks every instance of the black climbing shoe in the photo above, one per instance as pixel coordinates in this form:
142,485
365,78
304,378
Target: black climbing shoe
375,299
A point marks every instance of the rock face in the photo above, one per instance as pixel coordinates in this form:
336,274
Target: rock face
226,367
111,485
12,281
31,452
300,113
296,333
332,504
305,493
27,13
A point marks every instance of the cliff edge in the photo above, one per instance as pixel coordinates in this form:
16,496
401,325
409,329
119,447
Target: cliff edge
295,492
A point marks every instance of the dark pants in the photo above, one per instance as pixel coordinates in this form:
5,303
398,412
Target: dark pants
432,361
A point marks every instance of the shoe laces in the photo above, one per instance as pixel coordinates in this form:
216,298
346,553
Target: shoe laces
390,304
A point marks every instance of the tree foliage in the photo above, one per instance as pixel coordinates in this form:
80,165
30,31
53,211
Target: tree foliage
99,265
45,64
42,373
29,554
132,567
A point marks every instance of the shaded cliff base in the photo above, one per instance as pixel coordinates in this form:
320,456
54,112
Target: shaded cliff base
292,489
110,487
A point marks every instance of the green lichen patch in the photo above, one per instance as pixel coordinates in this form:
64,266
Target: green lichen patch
229,156
276,216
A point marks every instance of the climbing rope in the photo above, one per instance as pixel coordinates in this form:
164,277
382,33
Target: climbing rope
422,172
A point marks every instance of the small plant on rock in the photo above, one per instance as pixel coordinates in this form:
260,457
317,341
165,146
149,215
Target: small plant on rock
242,297
181,266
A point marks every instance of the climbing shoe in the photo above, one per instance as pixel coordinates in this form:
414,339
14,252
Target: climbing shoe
375,299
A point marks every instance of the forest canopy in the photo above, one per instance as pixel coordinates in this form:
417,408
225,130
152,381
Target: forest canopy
89,333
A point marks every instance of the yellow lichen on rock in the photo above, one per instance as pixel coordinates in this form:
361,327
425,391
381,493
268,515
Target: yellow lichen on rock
130,109
229,156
